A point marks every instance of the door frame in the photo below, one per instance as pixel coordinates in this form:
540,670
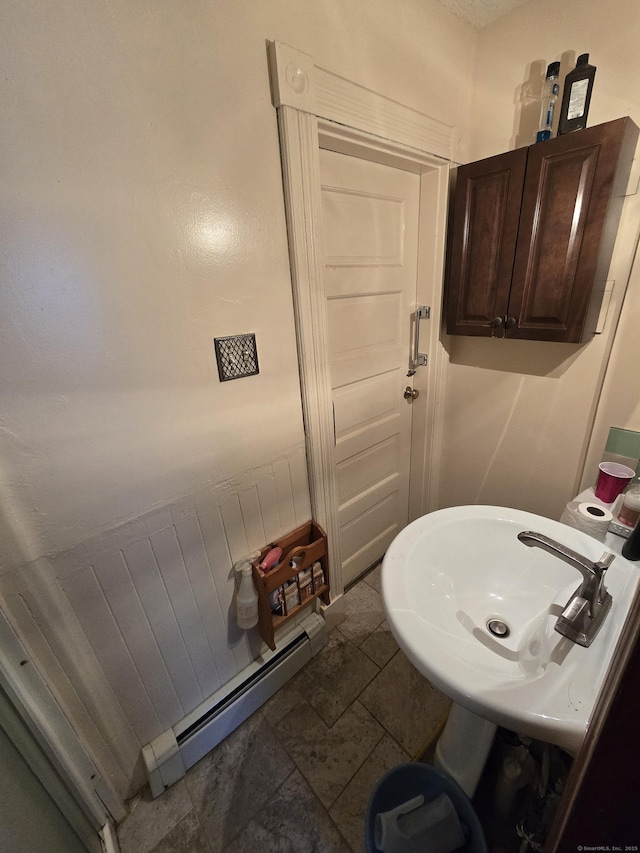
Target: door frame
15,730
318,109
94,801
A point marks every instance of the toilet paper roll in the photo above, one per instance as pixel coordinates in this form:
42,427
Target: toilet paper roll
590,518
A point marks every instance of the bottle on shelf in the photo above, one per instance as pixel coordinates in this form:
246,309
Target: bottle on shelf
550,91
576,96
631,548
629,511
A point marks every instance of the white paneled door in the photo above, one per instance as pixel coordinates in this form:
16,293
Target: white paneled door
370,222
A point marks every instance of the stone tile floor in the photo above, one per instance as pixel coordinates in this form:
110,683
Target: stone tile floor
297,775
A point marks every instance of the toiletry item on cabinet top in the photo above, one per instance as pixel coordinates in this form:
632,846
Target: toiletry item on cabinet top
576,96
550,91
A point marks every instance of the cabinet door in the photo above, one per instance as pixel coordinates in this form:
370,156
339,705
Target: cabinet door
567,189
483,240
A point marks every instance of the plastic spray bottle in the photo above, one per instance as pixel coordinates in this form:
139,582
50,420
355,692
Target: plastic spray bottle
246,597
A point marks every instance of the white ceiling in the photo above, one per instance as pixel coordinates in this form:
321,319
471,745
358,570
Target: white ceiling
481,12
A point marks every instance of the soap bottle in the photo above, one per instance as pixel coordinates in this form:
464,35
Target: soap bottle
576,96
631,548
550,92
246,598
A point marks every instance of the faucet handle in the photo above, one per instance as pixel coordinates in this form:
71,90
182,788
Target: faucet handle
575,608
601,565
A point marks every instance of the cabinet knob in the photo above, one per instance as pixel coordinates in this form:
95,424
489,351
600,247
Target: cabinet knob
496,323
510,322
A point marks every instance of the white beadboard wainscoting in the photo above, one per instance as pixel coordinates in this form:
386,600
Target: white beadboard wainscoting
134,629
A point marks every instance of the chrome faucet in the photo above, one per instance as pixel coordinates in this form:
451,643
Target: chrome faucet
587,608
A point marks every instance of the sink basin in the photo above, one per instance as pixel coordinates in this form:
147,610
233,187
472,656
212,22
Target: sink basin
454,577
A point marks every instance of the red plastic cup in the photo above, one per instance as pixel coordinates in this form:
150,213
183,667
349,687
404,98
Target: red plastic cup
612,480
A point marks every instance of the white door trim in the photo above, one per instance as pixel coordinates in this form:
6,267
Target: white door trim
296,81
319,109
38,708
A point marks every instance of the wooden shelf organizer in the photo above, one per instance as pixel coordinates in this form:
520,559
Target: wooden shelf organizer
304,546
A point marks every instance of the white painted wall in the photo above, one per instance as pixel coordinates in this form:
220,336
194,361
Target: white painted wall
142,215
537,33
139,222
619,404
520,413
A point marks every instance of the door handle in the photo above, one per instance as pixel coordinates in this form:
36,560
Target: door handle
418,359
410,393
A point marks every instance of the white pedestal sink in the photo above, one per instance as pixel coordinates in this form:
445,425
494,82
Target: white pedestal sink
451,574
463,747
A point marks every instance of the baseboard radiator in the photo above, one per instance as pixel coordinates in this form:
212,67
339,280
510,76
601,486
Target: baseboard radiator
168,757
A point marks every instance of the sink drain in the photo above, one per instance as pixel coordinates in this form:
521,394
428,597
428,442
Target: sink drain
498,628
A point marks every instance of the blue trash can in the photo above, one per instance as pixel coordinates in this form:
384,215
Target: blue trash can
407,781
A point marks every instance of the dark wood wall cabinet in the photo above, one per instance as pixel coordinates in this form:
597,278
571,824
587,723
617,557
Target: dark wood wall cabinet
532,233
